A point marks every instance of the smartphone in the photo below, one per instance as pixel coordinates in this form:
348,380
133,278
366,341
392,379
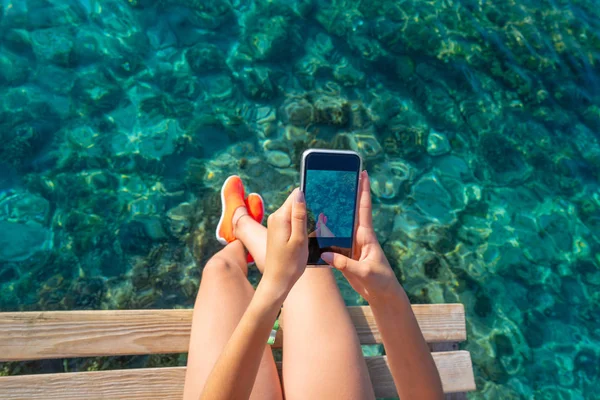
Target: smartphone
329,180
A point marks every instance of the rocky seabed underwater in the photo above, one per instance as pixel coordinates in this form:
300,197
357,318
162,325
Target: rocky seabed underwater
478,122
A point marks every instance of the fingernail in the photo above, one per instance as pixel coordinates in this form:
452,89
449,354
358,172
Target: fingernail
327,257
365,173
300,196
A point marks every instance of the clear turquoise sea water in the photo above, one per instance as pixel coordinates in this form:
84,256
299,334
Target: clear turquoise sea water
478,121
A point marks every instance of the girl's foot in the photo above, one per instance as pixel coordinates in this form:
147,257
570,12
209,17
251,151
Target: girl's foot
256,208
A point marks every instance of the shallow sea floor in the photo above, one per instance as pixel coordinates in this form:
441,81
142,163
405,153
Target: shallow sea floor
478,122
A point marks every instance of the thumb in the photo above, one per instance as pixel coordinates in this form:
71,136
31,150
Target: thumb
340,262
298,220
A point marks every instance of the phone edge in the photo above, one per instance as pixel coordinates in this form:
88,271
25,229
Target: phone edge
356,205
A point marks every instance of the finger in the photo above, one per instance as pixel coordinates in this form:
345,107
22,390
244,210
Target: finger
299,217
286,207
341,262
282,219
365,208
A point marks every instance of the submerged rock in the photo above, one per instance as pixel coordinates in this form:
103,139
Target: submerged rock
507,164
205,14
153,227
278,159
433,200
296,134
297,111
267,40
151,141
219,88
53,45
13,69
18,40
437,144
347,75
82,137
204,58
307,69
391,179
89,46
180,219
365,144
96,92
265,122
257,83
19,242
25,207
331,110
56,80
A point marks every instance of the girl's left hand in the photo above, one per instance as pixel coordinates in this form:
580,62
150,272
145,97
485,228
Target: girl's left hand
287,244
371,275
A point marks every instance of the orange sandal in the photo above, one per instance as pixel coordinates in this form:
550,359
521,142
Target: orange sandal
232,198
256,207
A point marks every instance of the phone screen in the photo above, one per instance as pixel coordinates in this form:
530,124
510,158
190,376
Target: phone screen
330,189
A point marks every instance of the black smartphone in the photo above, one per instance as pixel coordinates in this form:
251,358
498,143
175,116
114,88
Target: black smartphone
330,186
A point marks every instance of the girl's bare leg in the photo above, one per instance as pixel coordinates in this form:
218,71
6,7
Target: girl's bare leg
254,237
322,357
222,299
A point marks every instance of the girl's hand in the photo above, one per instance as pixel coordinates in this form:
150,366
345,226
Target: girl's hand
287,244
371,276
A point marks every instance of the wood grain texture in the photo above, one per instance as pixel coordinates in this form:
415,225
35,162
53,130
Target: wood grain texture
438,322
42,335
63,334
454,367
151,383
167,383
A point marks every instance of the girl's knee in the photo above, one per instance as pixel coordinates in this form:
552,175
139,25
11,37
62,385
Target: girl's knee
220,267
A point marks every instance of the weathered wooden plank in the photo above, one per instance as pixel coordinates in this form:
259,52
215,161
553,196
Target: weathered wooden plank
63,334
159,383
438,322
167,383
455,368
41,335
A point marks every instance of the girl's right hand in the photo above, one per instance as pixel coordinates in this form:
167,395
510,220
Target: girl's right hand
371,276
287,244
